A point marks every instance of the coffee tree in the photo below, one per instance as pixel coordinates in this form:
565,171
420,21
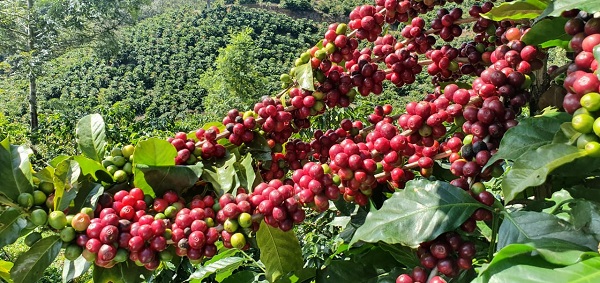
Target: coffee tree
472,183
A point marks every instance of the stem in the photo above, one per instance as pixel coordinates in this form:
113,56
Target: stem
495,227
558,208
283,91
254,261
434,272
559,71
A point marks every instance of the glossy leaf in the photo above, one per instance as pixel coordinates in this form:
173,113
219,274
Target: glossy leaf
11,224
586,215
222,177
584,192
244,276
555,251
208,125
402,254
531,269
533,167
259,148
93,168
518,10
74,269
223,267
126,272
346,271
548,33
155,152
5,267
30,265
16,172
87,195
304,76
279,251
91,137
555,8
431,208
529,134
525,226
66,183
155,180
245,172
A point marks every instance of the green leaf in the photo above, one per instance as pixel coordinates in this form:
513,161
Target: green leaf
586,215
208,125
223,267
155,170
5,267
518,10
75,268
548,33
555,8
532,168
125,272
525,226
57,160
66,184
259,148
402,254
431,208
244,276
583,192
346,271
91,136
30,265
16,172
554,251
11,224
155,180
530,269
529,134
93,168
279,251
245,172
222,178
154,152
87,195
304,76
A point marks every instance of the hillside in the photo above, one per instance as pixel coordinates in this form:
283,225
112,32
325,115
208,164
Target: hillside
152,83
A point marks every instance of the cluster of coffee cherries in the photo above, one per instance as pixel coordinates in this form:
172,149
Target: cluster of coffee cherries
367,22
275,120
307,103
449,253
276,168
442,61
119,163
336,44
314,186
240,126
418,40
235,216
444,22
277,203
131,226
204,146
582,83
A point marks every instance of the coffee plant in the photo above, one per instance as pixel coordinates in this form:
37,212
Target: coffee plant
474,183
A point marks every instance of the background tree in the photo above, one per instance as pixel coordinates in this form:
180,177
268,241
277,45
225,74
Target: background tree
33,32
236,81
